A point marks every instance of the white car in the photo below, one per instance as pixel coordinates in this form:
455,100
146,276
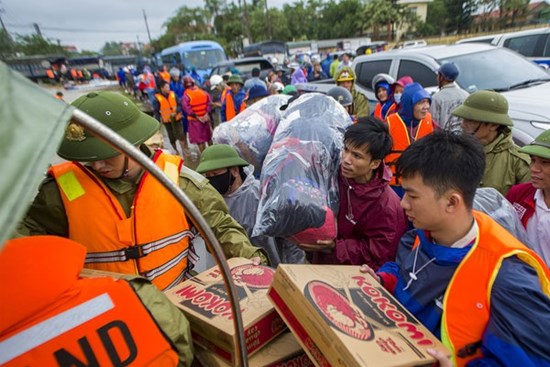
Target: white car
533,43
525,85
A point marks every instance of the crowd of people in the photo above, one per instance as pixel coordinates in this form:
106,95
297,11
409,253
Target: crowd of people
408,177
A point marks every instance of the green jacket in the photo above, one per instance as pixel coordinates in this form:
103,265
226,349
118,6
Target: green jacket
360,107
505,166
47,213
169,318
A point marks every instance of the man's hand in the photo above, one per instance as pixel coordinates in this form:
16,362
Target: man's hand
321,246
367,269
442,359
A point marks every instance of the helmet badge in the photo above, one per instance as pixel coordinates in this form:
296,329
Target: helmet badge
75,132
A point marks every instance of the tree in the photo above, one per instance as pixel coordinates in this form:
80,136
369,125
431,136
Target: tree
379,13
435,19
37,45
112,49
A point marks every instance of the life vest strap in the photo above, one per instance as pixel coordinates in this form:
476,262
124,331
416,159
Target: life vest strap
137,251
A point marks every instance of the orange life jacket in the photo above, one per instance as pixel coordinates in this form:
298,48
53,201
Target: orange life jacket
402,140
92,321
198,99
378,111
165,76
73,74
149,80
152,242
167,107
50,74
79,74
230,111
466,304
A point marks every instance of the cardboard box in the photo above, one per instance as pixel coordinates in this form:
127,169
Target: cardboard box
343,317
284,351
206,305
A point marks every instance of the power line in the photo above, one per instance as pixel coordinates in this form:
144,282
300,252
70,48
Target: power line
78,30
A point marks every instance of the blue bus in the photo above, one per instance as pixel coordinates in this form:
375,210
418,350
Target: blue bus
201,55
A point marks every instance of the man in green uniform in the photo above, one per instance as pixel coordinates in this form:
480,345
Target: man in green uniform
485,116
124,180
345,77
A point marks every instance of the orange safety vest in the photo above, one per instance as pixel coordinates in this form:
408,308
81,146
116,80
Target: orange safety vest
50,74
165,76
402,140
167,107
378,111
80,321
79,74
467,300
198,100
230,111
153,241
149,81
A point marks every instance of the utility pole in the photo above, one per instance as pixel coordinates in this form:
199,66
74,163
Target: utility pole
37,29
268,21
147,26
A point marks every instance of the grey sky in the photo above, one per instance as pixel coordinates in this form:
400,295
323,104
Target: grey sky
89,24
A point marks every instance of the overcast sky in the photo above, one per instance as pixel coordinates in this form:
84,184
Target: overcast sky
89,24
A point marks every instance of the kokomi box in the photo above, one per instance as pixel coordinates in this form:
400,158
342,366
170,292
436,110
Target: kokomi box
206,305
343,317
284,351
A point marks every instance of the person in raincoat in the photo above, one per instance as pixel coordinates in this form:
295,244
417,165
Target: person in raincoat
234,178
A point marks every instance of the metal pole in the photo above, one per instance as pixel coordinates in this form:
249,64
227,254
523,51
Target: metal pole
121,144
147,26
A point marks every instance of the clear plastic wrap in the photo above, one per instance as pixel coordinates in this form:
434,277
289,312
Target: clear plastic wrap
299,190
492,203
251,131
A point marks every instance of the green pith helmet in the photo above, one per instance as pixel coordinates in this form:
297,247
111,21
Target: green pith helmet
540,147
485,106
114,111
219,156
341,95
235,78
345,73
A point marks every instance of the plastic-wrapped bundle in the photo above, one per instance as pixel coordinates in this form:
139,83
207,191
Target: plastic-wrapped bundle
299,190
251,131
491,202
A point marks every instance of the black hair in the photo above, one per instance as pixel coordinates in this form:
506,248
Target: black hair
161,83
371,133
256,72
445,161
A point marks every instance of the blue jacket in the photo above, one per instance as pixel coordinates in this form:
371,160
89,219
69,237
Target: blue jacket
177,88
513,336
412,94
237,101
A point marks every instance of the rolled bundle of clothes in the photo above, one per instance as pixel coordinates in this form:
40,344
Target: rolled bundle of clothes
251,131
299,191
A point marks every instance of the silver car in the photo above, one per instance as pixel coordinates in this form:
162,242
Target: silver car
525,85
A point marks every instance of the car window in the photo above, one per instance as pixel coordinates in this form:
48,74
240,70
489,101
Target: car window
497,69
546,48
419,72
525,45
365,71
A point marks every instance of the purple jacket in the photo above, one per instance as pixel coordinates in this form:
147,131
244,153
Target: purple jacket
380,223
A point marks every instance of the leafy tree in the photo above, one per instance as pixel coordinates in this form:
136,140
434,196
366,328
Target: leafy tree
459,14
7,45
37,45
435,19
112,49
